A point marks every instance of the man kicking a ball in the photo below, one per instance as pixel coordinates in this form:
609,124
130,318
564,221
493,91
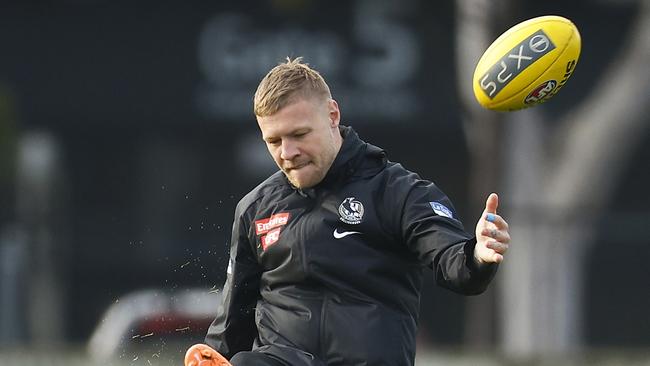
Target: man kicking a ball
327,255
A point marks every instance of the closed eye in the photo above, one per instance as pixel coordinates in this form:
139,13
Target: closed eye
300,134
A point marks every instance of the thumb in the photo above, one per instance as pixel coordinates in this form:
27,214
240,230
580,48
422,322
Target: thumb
492,203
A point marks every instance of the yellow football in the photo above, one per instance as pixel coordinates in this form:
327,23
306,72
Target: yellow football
528,64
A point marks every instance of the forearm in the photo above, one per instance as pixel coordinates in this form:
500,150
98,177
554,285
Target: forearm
456,269
233,329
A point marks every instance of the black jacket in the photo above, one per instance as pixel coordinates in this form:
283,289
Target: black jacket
332,274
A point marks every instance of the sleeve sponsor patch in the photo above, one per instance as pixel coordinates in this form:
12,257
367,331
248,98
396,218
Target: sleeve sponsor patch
441,210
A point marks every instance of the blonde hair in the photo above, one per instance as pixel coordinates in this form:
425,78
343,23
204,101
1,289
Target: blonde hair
285,83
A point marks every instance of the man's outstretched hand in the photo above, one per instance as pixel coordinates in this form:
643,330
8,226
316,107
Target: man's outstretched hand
492,236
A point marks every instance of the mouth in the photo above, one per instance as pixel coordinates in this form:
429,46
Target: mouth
297,167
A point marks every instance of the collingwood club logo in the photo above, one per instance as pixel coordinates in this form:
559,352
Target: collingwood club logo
351,211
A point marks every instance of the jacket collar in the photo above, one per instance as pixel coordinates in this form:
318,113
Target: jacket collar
355,159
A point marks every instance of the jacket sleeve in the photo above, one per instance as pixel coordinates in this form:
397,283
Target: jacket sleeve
431,230
233,329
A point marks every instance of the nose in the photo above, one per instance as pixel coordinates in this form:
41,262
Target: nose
289,150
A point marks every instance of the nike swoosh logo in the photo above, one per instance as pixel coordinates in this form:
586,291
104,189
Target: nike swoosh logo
343,234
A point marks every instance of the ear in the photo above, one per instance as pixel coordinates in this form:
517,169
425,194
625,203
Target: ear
334,113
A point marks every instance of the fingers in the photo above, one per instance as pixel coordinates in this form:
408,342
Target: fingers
497,258
493,236
492,203
497,220
498,235
495,252
498,247
496,240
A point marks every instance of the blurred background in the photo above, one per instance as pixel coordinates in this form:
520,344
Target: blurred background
127,138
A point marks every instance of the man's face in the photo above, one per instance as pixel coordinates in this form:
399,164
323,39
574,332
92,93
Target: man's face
303,139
